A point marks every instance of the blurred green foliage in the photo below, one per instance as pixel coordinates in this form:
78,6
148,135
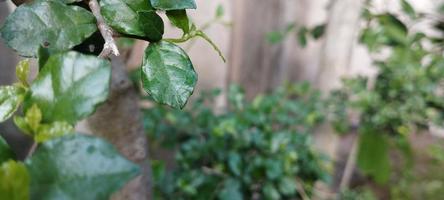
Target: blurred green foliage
405,97
259,149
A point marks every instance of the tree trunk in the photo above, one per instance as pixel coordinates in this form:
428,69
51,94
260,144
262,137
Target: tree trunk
255,63
119,120
340,39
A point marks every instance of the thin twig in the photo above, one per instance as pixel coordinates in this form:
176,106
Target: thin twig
301,190
350,165
110,46
31,150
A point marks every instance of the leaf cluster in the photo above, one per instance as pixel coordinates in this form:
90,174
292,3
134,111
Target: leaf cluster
258,149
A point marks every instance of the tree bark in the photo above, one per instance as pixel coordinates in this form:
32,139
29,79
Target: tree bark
340,39
255,63
119,120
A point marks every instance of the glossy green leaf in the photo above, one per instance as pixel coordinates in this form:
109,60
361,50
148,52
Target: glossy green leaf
14,181
5,152
10,99
134,17
78,167
179,19
168,74
151,24
47,23
22,72
173,4
70,86
373,156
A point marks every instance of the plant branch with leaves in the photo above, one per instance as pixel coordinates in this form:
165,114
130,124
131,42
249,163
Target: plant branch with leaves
70,85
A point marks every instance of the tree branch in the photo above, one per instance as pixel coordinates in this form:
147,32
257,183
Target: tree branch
110,47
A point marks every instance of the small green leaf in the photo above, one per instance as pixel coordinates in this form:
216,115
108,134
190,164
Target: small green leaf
231,190
22,72
220,11
373,156
287,186
47,23
54,130
173,4
275,37
78,167
31,125
318,31
14,181
270,192
179,19
23,125
408,9
394,28
235,163
5,152
10,99
33,117
168,74
302,36
151,24
70,87
133,17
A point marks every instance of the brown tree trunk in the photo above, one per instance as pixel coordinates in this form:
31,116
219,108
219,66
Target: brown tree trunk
255,63
119,120
340,39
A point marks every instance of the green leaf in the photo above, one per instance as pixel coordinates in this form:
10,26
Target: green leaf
14,181
168,74
54,130
173,4
373,156
179,19
5,152
287,186
302,36
22,72
33,117
78,167
408,9
270,192
133,17
151,24
23,125
231,190
47,23
394,28
235,163
31,125
318,31
10,99
220,11
70,86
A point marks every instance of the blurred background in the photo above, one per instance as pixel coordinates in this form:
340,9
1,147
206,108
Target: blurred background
317,99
